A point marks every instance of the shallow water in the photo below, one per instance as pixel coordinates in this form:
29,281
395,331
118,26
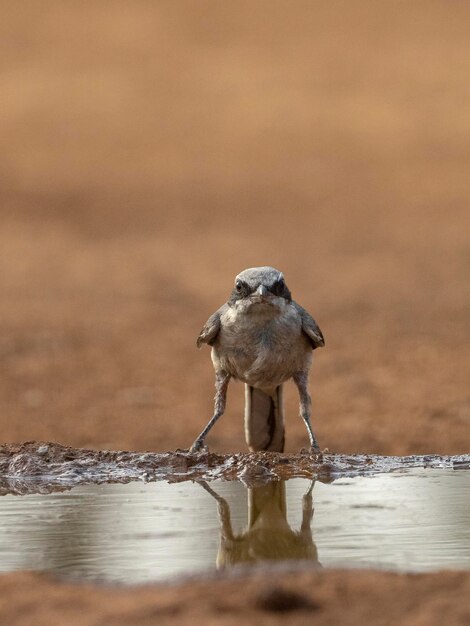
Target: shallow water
416,520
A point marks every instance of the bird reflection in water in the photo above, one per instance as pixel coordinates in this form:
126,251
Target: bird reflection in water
268,535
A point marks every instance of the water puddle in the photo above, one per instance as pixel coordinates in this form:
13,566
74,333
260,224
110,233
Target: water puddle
136,532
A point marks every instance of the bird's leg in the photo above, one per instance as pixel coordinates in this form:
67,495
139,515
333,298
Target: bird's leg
221,384
307,509
301,379
224,511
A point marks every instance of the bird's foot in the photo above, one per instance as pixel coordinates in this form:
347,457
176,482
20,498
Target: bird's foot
198,446
313,451
317,454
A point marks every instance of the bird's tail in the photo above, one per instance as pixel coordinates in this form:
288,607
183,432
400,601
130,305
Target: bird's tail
264,419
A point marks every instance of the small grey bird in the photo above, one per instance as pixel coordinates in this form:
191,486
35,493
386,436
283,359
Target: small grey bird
263,338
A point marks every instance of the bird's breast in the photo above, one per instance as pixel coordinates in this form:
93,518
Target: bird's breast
261,349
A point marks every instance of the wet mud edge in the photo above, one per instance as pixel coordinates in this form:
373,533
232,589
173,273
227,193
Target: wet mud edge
41,467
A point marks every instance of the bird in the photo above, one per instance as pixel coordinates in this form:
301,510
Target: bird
263,338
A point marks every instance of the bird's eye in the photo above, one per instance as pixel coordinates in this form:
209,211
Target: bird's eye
238,285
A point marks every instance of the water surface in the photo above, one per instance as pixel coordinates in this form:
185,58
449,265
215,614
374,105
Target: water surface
417,520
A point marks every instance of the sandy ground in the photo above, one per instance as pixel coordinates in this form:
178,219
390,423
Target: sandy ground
153,150
325,598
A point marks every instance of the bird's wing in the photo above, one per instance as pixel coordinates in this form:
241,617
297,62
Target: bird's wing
211,329
310,327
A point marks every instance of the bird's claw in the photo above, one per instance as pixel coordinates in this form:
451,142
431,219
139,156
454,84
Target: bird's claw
317,454
198,446
314,452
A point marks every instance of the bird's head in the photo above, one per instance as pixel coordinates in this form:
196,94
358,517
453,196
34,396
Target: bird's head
260,286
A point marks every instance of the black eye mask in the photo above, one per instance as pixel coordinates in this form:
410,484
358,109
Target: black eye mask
279,288
240,291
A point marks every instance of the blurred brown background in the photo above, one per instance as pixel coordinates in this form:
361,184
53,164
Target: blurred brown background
152,150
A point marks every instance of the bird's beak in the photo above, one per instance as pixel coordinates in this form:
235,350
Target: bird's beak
262,292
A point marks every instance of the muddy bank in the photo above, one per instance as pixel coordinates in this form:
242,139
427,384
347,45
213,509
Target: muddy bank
33,467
